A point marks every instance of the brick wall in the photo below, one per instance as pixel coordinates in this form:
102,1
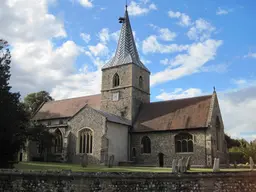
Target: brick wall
108,182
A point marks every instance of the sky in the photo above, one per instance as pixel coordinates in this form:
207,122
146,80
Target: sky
189,47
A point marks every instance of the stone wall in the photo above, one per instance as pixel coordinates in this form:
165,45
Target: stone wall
107,182
163,142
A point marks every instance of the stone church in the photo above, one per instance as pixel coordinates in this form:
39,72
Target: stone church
121,121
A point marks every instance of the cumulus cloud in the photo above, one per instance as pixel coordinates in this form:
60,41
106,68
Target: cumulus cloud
201,30
184,20
86,37
86,3
237,108
142,8
198,54
99,50
151,45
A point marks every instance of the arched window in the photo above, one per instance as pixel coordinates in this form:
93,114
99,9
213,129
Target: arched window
140,82
146,145
116,80
183,143
85,141
58,141
218,133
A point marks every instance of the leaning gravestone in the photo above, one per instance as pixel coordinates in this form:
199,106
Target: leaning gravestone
84,160
188,163
111,161
174,166
251,163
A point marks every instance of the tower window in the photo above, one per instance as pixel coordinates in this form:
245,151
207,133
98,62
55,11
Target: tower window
116,80
140,82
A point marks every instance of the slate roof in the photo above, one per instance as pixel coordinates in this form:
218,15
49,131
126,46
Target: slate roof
114,118
177,114
66,107
126,51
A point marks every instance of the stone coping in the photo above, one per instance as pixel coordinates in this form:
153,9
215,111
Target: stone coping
126,175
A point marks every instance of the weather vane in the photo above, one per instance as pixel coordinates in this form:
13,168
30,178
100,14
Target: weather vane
122,19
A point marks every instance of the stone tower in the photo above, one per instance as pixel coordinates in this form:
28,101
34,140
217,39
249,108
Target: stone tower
125,79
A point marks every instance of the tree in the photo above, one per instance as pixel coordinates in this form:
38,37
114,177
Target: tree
33,100
231,142
13,117
248,149
41,135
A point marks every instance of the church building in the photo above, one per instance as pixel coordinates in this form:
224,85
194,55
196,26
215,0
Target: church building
121,121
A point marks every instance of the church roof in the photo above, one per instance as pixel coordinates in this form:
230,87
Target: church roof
126,51
66,107
176,114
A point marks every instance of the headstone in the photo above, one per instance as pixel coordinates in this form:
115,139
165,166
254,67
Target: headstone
216,165
174,166
251,164
188,163
184,168
111,161
180,165
84,160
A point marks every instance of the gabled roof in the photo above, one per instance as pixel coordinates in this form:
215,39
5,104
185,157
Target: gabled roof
177,114
126,52
67,107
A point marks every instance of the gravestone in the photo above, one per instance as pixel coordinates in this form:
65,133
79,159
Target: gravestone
251,163
111,161
216,165
188,163
84,160
180,165
174,166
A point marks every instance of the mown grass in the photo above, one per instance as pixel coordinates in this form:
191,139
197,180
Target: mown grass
40,166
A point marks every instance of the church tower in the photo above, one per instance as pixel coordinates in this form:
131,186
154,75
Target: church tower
125,79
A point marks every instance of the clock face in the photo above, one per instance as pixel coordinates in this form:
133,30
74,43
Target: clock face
115,96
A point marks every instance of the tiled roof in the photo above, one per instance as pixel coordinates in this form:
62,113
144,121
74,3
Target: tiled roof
126,51
66,107
177,114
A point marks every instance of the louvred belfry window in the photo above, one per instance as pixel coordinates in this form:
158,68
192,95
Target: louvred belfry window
116,80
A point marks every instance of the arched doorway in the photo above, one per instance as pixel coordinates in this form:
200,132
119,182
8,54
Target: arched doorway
161,159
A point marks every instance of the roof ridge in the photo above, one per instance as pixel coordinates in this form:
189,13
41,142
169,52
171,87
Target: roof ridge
186,98
71,98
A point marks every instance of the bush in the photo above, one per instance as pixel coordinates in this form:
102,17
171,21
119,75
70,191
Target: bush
237,157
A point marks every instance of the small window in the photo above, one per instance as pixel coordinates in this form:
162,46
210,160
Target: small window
146,145
49,123
116,80
140,82
133,152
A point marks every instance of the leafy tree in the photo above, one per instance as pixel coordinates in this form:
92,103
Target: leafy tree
41,135
248,149
13,117
33,100
231,142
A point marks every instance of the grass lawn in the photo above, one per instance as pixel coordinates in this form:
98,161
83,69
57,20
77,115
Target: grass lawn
40,166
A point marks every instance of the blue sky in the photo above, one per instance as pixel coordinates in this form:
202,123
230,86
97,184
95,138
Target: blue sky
189,46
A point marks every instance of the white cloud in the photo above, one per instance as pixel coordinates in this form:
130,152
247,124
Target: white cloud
221,11
166,34
86,37
151,45
252,55
86,3
99,50
104,35
184,64
184,20
201,30
143,8
237,108
179,93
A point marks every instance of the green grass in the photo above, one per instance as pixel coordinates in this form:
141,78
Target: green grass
40,166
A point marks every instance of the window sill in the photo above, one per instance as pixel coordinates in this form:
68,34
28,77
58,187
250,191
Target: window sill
145,153
184,153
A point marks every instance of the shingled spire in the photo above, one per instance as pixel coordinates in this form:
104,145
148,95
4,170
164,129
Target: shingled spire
126,51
